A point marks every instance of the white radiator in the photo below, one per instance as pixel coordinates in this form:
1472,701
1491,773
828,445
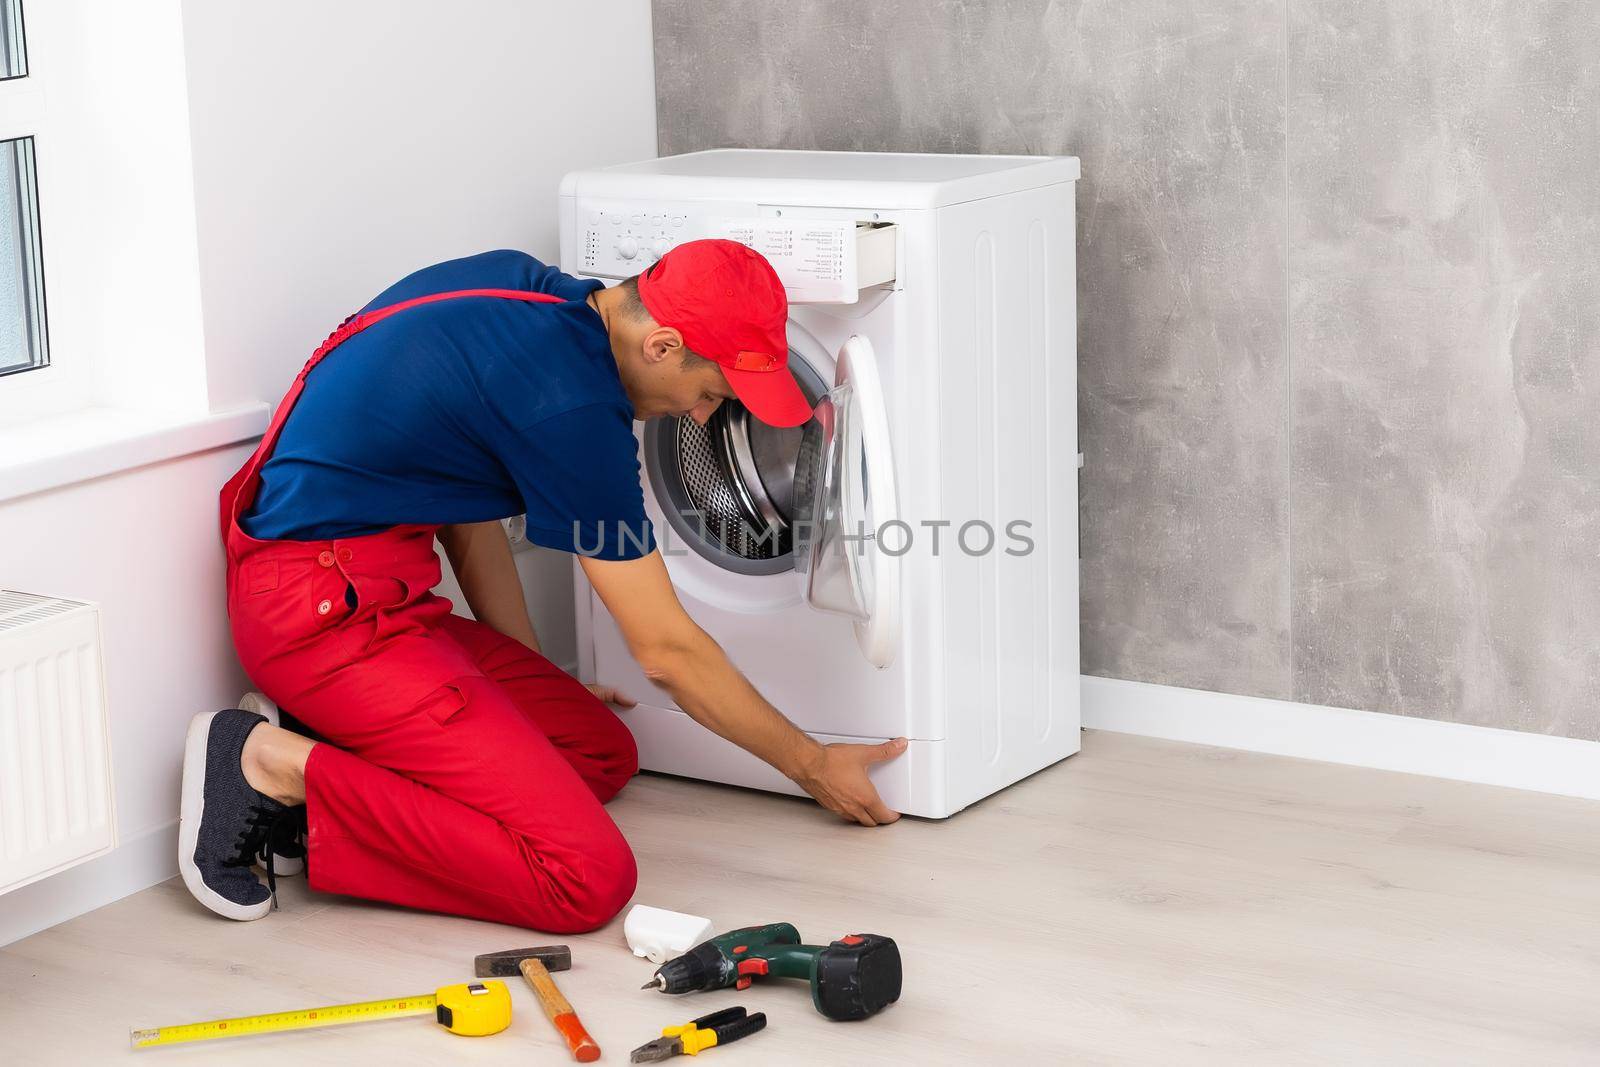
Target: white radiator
55,751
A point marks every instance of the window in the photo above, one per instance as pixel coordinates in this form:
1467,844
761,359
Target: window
13,44
23,342
22,334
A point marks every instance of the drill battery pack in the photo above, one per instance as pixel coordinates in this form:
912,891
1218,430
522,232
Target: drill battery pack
857,977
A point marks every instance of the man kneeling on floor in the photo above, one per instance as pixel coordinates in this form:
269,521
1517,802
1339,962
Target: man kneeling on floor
455,768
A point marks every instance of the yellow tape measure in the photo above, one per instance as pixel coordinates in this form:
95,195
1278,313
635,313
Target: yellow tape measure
473,1009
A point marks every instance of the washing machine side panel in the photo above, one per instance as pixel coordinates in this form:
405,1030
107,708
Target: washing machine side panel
1008,474
1053,253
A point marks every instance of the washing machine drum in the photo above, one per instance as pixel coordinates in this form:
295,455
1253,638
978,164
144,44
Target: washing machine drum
737,491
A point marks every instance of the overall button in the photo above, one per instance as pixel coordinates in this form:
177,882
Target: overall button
324,607
345,555
325,558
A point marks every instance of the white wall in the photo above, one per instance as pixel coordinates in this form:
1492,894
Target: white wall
336,147
339,146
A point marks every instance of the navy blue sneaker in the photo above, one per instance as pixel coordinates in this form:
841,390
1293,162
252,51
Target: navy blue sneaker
224,824
285,852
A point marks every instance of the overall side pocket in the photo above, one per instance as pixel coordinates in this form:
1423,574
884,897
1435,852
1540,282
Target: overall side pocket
444,703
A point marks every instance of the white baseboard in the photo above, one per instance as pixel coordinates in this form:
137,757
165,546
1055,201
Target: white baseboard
1537,762
137,863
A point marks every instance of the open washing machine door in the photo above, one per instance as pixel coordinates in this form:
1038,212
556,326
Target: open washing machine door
759,505
844,480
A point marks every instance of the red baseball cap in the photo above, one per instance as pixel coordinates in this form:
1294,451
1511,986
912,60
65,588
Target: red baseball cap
727,302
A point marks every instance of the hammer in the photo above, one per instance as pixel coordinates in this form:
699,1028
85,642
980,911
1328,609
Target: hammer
535,964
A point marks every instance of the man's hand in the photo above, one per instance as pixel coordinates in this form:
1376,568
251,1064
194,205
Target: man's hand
609,695
837,776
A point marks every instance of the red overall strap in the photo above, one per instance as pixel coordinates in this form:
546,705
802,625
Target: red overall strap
242,486
356,323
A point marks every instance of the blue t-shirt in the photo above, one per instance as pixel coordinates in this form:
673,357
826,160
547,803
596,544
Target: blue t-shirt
461,411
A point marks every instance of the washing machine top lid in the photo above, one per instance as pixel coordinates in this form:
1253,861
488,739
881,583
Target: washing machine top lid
823,179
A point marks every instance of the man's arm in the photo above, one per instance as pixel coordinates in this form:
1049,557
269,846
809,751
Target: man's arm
679,656
480,555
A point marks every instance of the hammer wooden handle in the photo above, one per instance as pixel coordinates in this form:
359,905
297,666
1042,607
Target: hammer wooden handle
559,1010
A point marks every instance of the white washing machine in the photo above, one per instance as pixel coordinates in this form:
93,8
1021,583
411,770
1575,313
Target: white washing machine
907,563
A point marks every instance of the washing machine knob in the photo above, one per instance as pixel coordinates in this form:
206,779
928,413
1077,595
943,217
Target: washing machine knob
661,247
627,247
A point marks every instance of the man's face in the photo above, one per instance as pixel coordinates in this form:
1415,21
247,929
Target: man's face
662,377
688,387
698,392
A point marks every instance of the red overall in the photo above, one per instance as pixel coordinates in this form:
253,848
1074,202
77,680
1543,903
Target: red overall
466,772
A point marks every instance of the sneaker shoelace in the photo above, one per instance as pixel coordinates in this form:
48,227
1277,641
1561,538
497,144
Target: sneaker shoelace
262,825
286,837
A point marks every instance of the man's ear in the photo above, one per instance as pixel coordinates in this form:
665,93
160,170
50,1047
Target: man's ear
661,342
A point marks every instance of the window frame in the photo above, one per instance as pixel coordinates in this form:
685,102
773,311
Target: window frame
45,386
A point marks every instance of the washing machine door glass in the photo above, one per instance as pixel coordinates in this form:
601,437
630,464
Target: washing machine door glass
847,552
728,488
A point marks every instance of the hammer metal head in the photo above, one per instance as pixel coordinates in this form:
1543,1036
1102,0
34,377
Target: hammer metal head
505,964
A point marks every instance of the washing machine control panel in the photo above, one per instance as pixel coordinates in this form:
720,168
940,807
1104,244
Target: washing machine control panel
815,258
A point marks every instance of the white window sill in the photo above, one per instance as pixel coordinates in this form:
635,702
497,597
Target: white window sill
60,450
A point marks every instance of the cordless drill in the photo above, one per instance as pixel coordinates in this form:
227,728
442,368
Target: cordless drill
852,978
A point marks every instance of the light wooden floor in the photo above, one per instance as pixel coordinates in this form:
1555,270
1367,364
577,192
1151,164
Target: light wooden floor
1145,902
